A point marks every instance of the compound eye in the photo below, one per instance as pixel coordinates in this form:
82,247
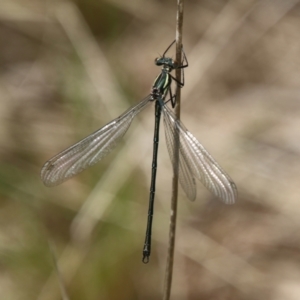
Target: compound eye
157,61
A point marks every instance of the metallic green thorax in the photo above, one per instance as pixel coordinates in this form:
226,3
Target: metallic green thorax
162,82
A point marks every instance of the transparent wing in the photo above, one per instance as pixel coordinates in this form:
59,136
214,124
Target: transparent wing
196,162
186,177
90,150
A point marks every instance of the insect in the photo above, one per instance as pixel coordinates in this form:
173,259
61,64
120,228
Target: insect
193,159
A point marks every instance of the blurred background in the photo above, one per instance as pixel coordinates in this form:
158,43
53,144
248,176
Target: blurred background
68,68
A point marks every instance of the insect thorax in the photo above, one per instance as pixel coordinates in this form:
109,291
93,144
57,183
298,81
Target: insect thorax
161,84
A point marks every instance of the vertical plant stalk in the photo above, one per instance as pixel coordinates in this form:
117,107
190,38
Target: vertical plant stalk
62,285
173,215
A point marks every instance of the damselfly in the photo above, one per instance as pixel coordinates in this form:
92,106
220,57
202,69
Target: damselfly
193,160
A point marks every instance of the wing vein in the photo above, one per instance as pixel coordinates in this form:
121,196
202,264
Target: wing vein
195,161
91,149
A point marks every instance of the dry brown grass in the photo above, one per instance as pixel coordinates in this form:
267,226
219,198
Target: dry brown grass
67,68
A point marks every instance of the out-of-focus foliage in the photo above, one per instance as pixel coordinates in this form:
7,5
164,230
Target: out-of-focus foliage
67,68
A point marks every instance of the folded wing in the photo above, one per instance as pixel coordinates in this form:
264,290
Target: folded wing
196,162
